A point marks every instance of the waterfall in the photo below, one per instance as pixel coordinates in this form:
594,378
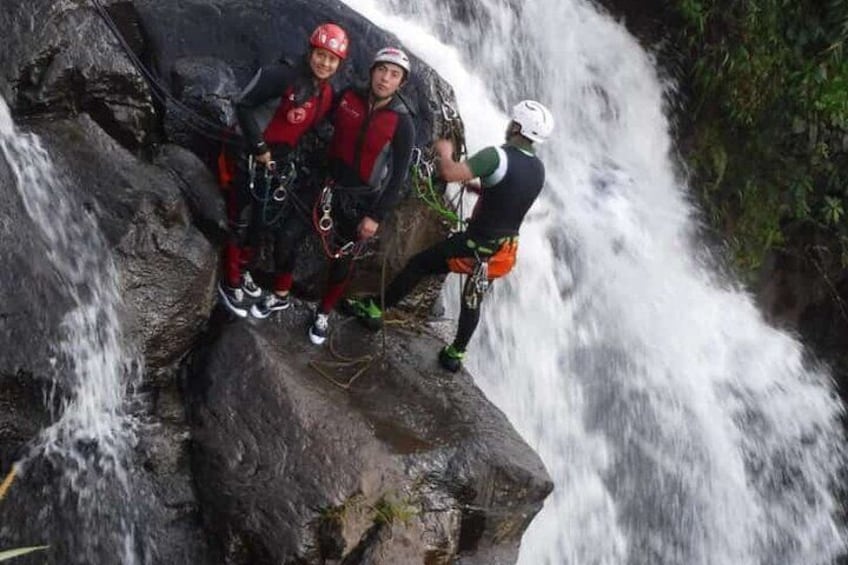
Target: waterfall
94,366
678,426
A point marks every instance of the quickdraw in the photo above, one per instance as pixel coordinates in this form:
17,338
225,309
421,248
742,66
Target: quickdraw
322,220
477,283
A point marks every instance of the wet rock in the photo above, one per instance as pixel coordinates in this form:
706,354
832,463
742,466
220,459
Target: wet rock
167,268
59,58
397,464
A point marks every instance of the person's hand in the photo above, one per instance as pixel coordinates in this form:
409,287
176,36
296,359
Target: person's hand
367,228
264,158
444,148
474,186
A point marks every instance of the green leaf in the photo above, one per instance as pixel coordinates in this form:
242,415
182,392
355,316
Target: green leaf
12,553
833,210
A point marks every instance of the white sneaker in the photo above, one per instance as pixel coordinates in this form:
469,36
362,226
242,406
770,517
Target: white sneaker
271,303
249,286
320,328
233,299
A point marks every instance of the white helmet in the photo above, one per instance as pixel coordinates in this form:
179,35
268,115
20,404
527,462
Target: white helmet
535,120
392,55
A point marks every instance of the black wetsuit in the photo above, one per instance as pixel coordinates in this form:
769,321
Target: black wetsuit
512,179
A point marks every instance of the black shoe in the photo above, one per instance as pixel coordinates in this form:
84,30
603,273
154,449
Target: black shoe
234,299
320,328
365,310
451,359
271,303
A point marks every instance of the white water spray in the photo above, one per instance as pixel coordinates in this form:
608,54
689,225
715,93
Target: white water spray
94,365
677,425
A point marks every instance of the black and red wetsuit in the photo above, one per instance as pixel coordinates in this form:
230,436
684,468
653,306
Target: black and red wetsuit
369,154
277,108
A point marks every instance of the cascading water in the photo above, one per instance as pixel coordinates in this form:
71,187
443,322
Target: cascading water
678,426
94,366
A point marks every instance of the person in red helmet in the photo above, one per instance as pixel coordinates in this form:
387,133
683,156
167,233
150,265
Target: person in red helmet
299,97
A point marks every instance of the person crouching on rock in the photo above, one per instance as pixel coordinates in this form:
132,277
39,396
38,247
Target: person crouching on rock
369,156
511,178
278,149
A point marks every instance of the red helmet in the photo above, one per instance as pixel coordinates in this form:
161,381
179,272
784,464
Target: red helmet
332,38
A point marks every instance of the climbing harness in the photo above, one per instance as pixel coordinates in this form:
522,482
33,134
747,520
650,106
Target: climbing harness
273,189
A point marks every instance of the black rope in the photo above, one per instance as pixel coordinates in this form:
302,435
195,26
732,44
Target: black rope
203,126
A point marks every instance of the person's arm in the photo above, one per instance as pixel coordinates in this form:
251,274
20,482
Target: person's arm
402,144
448,169
479,166
268,83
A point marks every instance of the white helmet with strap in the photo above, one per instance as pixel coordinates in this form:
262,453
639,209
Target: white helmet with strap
392,55
536,121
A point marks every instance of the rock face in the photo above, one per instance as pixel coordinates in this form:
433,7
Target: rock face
302,457
246,454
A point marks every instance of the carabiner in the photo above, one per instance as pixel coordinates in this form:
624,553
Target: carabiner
449,113
346,248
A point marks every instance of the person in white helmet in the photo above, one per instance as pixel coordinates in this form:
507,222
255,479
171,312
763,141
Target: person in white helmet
369,156
511,178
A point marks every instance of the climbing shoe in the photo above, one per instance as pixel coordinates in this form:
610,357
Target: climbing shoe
320,328
234,299
271,303
451,358
365,310
249,286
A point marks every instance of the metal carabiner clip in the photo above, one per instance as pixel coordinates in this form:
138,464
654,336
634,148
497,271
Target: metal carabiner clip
346,248
449,113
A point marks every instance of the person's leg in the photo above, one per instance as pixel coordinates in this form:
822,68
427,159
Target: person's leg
431,261
239,211
341,272
233,290
450,357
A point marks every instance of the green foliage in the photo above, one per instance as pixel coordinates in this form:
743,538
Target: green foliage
12,553
387,510
769,83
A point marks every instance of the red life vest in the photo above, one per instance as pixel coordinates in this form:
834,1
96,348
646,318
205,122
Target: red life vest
359,138
290,121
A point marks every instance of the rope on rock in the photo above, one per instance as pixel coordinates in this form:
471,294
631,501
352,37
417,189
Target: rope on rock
192,119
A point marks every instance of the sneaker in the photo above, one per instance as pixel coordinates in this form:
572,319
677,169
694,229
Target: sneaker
271,303
366,310
249,286
233,299
451,358
320,327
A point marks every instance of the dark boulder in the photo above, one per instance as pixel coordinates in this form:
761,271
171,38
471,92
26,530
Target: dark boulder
59,59
298,459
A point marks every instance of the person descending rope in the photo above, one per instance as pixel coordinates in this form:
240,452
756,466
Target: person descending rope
511,178
277,159
369,156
